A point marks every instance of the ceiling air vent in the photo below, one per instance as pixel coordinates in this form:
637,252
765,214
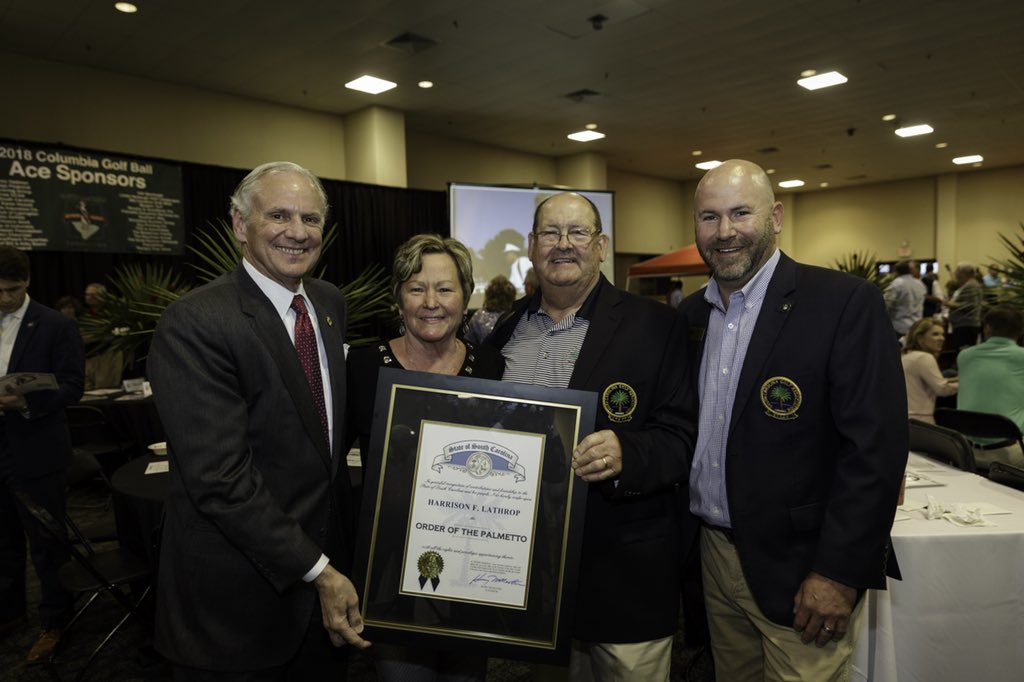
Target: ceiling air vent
581,95
767,150
411,43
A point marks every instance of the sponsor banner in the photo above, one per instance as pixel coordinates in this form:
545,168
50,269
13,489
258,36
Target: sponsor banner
58,199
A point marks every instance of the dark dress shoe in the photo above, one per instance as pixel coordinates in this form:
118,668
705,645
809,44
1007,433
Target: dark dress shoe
11,626
44,646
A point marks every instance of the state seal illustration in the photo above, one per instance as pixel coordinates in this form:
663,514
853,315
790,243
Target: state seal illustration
781,398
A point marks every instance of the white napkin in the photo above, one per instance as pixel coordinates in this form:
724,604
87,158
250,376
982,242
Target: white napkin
959,514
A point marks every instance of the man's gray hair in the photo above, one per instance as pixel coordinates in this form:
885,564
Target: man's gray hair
241,200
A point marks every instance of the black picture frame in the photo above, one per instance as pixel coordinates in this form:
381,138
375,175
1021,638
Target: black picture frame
412,411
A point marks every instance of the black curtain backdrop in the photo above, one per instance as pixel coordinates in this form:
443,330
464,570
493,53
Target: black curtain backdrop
372,221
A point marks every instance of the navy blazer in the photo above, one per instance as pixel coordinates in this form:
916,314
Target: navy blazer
49,342
813,489
255,492
628,585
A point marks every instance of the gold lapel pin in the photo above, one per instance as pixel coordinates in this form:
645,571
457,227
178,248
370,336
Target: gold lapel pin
330,322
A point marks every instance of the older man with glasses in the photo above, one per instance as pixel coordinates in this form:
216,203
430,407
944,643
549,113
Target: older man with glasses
578,331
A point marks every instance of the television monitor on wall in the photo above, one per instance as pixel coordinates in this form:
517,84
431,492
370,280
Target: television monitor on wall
493,222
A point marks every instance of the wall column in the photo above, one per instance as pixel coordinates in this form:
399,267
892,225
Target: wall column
375,147
588,170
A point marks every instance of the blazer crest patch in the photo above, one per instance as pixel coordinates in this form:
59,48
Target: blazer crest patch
619,402
781,398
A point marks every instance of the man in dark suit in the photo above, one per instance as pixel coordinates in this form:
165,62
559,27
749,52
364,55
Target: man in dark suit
802,440
579,331
248,374
35,448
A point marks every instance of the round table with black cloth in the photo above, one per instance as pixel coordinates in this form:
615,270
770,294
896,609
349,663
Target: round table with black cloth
139,505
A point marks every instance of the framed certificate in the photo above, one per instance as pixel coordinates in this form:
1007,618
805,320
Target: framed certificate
471,518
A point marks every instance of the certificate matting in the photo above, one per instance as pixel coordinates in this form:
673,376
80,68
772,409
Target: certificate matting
471,517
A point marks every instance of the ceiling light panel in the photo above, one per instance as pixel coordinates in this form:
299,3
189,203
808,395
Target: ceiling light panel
585,136
822,80
973,158
912,131
370,85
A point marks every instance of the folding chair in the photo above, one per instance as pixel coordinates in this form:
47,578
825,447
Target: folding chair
943,444
1007,474
92,573
94,438
985,431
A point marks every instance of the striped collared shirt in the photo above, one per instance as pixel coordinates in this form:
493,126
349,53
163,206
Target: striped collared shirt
728,336
543,352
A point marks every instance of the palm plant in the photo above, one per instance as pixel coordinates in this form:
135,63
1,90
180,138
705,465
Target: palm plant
125,321
1012,269
865,266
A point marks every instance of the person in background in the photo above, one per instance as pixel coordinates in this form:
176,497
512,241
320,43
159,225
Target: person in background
248,376
992,278
802,441
35,450
965,306
530,282
431,281
498,298
904,298
578,331
992,374
519,265
102,370
675,294
921,371
94,293
68,306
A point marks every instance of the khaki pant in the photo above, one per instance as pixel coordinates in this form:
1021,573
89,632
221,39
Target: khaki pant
748,646
594,662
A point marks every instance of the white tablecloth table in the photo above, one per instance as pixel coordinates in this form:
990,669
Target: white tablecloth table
958,613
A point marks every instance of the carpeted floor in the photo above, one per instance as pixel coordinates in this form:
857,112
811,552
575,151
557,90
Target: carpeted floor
129,655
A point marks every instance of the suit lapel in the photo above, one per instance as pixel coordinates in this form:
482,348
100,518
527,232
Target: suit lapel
29,325
599,334
267,326
779,300
697,316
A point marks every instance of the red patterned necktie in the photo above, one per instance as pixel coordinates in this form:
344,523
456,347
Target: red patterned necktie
309,358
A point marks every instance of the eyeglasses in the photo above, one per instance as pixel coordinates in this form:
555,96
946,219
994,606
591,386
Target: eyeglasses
576,236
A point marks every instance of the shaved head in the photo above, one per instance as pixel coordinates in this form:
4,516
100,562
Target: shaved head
737,174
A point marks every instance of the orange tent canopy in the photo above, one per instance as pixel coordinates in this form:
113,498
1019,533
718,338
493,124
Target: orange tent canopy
684,261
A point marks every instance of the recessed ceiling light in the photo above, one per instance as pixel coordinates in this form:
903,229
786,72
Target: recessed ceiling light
696,152
822,184
941,145
822,80
911,131
791,183
889,117
591,126
426,84
973,158
370,85
807,73
708,165
585,136
126,7
769,171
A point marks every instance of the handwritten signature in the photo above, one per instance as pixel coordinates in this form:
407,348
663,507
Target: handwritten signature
491,579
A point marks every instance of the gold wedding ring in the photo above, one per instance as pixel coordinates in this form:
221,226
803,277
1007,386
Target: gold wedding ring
605,460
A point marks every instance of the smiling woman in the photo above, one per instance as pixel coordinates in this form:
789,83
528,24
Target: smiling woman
432,279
